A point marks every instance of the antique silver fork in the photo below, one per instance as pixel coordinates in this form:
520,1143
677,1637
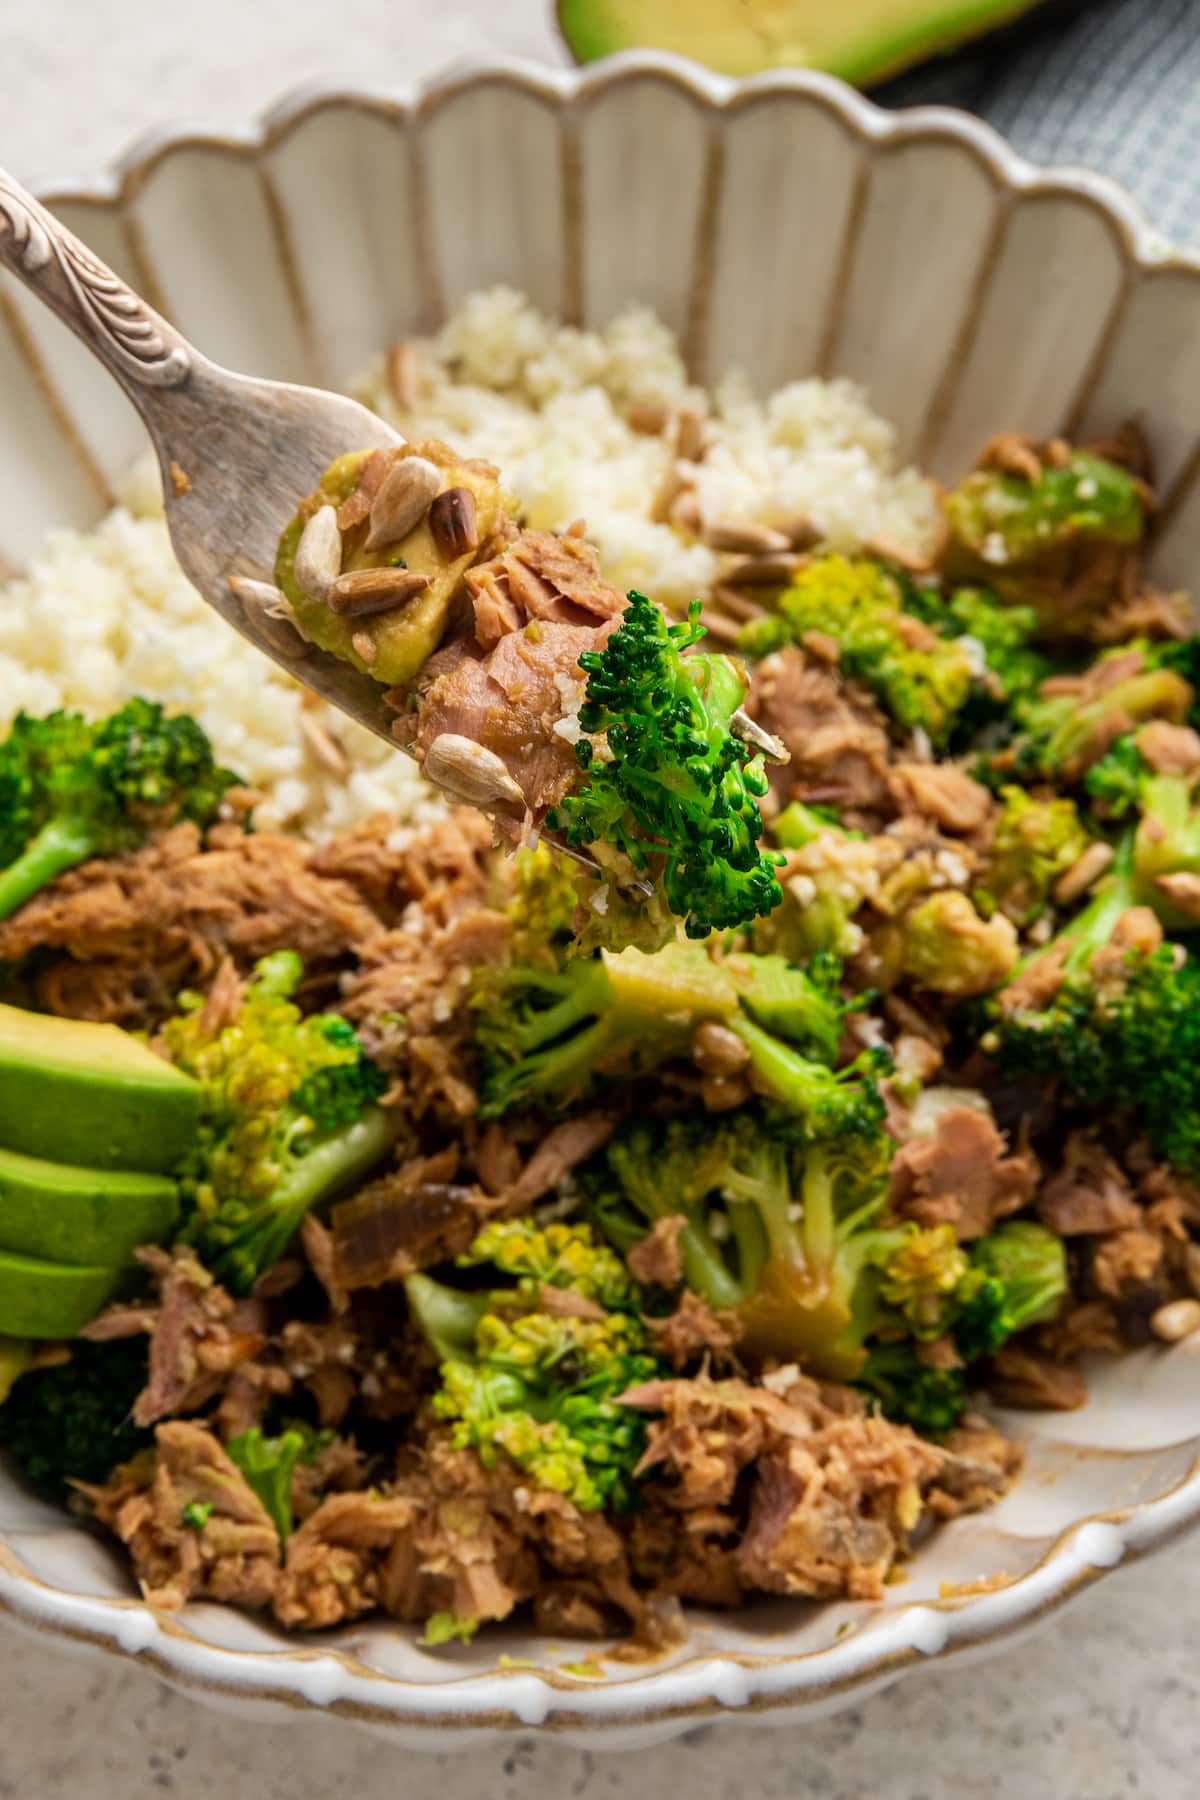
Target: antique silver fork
236,453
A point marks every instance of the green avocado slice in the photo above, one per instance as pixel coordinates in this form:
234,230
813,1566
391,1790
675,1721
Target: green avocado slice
87,1094
81,1216
863,41
48,1300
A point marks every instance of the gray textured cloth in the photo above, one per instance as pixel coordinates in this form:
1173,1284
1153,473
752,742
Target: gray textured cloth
1110,84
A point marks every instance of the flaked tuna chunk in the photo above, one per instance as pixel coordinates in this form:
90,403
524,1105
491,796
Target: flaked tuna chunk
540,576
961,1174
510,702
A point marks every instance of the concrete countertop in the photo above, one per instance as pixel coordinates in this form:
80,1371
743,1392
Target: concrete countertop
1102,1704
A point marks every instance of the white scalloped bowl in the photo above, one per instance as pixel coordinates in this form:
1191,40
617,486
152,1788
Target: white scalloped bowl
789,227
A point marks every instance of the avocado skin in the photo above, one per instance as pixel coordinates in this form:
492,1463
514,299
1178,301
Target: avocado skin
592,29
92,1096
81,1216
48,1300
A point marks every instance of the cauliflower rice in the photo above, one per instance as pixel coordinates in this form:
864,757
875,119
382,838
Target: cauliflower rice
108,613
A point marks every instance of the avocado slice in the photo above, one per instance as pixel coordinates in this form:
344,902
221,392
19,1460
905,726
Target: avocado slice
91,1095
15,1357
48,1300
863,41
71,1215
402,640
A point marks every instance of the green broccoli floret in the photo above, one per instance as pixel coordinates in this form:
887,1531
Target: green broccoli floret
549,1036
287,1120
71,1422
1036,540
920,679
781,1229
672,787
70,789
1126,1035
1017,1277
538,1387
1035,841
998,640
268,1463
943,944
1114,784
818,910
1063,733
932,1401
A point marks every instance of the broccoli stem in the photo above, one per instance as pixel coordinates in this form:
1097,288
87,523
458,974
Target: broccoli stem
704,1268
803,1086
61,844
331,1165
448,1318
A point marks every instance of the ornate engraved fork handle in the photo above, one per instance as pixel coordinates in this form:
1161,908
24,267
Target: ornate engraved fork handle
132,340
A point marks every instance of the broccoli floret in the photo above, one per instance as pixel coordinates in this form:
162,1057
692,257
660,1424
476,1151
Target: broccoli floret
922,680
70,789
944,945
549,1036
672,787
1114,784
780,1228
818,908
540,1388
932,1401
268,1463
1017,1277
1035,538
1062,734
998,640
1125,1034
287,1119
1035,841
72,1422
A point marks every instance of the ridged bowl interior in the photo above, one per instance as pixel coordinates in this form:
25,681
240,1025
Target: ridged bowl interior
786,227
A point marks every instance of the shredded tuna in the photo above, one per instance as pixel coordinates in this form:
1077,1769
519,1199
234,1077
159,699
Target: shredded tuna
940,792
657,1260
833,732
1089,1193
1020,1377
694,1330
232,1556
962,1175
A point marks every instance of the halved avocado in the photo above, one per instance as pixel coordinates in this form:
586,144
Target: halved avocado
91,1095
72,1215
49,1300
863,41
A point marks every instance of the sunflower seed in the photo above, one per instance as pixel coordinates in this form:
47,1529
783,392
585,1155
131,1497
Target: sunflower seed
452,520
752,733
675,483
1086,869
365,591
469,772
800,532
364,645
747,540
324,747
270,611
405,373
403,500
319,554
647,418
1176,1320
774,569
689,435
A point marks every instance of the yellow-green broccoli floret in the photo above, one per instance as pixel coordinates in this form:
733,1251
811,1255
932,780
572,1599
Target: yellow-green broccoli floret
1035,841
288,1117
921,679
537,1386
943,944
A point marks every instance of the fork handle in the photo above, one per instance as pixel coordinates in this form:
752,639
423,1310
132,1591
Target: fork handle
133,342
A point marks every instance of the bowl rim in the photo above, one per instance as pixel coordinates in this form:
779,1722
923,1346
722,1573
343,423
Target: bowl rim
650,1700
